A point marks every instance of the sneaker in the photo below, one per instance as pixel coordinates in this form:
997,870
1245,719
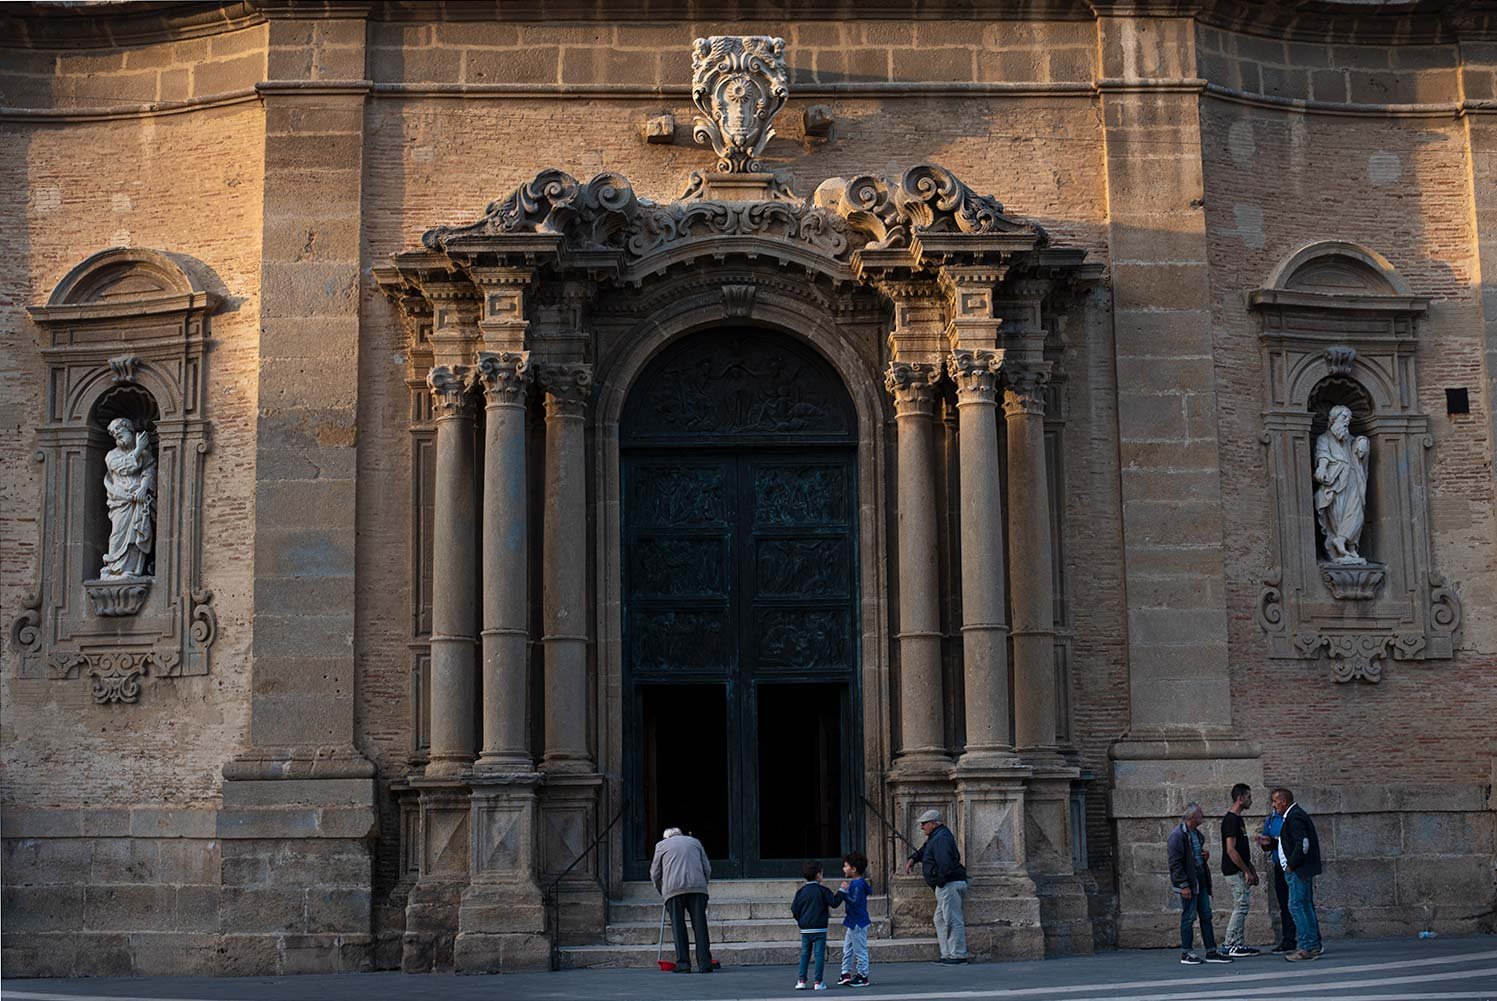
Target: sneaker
1217,957
1190,959
956,961
1301,955
800,985
819,986
1243,951
845,980
860,981
1315,953
1284,947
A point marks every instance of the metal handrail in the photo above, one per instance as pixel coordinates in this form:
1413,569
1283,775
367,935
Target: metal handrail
894,832
552,898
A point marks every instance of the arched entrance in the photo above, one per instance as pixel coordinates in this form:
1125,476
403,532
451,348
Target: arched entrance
740,586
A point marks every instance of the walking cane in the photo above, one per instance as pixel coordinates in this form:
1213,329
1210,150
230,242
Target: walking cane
666,965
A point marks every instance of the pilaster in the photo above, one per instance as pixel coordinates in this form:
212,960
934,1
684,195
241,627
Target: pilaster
1180,741
444,860
300,788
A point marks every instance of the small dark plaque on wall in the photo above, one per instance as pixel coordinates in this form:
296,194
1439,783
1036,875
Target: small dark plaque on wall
1457,401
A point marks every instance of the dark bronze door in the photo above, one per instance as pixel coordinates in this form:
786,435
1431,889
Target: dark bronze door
740,612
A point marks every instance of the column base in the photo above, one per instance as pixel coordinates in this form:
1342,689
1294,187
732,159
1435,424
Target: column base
916,784
1003,907
501,929
1153,777
1064,896
1003,918
569,821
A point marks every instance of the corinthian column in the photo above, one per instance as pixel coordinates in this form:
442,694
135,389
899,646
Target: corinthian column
506,674
564,560
922,738
984,631
454,553
1033,576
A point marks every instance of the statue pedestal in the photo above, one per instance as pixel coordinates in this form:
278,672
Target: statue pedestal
118,596
1353,581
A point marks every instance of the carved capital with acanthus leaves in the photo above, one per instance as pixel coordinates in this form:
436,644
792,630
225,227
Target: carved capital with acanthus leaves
975,374
912,384
1024,390
568,386
451,392
505,376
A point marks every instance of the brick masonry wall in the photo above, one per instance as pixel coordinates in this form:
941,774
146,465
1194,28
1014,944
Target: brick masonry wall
111,857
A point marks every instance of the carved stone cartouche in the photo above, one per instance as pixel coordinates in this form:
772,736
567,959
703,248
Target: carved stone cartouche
739,83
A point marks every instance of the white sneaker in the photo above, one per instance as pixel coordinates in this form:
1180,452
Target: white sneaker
800,985
820,986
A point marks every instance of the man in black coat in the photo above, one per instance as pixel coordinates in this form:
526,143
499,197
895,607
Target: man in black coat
1299,857
941,864
1190,877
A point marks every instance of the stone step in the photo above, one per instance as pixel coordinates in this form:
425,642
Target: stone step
643,891
648,932
728,909
775,953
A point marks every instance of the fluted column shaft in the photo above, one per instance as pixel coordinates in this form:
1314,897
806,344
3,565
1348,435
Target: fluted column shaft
454,618
564,561
1035,710
984,629
922,738
506,533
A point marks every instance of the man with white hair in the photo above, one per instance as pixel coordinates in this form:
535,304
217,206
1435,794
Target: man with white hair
680,871
1190,877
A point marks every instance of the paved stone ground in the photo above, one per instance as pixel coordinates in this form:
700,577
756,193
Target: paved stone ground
1402,969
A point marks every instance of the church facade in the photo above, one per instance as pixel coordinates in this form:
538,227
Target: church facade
448,447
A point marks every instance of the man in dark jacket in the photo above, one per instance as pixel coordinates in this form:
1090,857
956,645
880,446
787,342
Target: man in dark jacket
1190,877
1299,856
941,864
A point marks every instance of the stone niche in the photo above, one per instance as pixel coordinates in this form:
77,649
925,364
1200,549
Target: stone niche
1340,328
124,335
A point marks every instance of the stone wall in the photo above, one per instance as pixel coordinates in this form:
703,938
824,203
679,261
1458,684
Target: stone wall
117,820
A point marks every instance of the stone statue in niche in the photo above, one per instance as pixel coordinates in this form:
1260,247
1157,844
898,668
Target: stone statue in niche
130,490
1341,494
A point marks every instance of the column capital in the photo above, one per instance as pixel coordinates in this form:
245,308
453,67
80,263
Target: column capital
976,374
568,386
912,384
451,391
1024,390
505,376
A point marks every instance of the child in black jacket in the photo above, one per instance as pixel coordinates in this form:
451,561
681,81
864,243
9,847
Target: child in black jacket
810,907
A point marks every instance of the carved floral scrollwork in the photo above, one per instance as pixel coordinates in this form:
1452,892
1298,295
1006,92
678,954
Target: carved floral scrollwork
1445,605
1025,391
116,676
912,384
588,215
568,388
451,391
660,225
739,83
935,200
203,620
63,664
868,204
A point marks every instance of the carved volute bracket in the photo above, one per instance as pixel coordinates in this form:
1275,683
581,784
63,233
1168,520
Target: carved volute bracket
913,386
505,377
976,375
568,387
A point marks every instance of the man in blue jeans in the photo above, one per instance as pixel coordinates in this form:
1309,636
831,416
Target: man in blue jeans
1299,856
1190,877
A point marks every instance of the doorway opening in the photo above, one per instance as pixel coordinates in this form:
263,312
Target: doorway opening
686,762
800,770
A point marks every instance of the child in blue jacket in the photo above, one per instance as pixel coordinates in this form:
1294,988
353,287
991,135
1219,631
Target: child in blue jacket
854,891
810,906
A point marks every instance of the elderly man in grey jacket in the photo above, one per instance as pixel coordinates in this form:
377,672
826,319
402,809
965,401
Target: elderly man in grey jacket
680,871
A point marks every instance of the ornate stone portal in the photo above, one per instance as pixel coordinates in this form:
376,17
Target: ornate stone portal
557,279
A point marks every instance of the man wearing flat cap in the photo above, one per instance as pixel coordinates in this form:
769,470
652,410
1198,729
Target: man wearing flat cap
941,864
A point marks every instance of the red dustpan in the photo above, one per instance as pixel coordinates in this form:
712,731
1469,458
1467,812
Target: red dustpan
669,965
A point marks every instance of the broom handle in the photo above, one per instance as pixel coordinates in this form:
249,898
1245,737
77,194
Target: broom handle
660,942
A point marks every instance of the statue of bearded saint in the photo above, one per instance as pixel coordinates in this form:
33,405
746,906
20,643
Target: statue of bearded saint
130,489
1341,497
